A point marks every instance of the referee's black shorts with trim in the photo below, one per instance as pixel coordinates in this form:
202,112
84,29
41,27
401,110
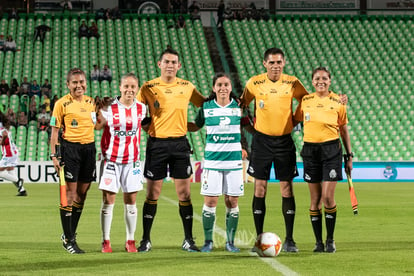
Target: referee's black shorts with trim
79,160
168,153
322,161
277,150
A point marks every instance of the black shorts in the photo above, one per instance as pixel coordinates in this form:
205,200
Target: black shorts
168,153
277,150
322,161
79,160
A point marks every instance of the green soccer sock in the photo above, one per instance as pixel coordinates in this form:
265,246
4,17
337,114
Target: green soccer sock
232,221
209,218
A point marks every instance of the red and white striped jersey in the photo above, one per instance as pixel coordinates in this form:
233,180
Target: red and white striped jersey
8,147
122,133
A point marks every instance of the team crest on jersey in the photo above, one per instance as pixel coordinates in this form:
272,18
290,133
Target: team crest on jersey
108,181
74,123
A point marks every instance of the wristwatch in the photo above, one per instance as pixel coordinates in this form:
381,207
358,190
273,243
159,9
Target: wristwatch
351,154
52,155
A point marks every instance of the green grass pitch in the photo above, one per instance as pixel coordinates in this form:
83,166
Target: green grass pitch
379,241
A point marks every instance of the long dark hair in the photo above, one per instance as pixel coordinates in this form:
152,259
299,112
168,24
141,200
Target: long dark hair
4,120
213,95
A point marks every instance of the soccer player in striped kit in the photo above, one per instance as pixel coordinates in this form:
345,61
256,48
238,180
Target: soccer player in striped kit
122,133
325,120
10,156
222,170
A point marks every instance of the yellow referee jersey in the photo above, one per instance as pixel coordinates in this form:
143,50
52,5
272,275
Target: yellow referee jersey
321,117
273,105
168,104
77,118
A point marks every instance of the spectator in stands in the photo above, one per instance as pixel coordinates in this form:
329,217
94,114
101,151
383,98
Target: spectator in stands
93,30
10,44
195,15
108,14
43,125
66,4
106,73
95,73
43,114
175,6
116,13
14,87
180,22
25,87
32,115
2,41
83,30
22,119
4,88
46,103
100,14
193,6
11,116
34,89
46,88
34,102
24,103
13,14
220,13
52,102
40,32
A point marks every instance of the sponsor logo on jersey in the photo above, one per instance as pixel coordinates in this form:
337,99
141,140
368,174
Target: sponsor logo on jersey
168,91
128,133
259,82
332,174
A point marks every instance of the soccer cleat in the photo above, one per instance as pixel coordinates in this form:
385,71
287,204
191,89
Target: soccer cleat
330,246
63,239
72,247
319,247
231,248
106,247
290,246
22,193
144,246
130,246
189,245
208,246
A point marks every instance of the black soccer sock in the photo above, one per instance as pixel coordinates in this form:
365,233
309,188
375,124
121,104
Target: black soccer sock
330,221
259,212
66,219
289,210
316,220
77,209
148,214
186,213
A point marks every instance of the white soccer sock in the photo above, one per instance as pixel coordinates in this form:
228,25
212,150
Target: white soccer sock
209,209
9,176
130,215
234,210
106,220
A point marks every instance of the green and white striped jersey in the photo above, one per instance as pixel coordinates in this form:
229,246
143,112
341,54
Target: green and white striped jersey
223,147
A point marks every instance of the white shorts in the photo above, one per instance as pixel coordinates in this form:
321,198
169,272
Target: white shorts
216,183
125,176
9,161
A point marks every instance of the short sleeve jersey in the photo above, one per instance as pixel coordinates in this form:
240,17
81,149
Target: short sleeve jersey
122,132
273,102
77,118
8,147
223,147
168,104
321,117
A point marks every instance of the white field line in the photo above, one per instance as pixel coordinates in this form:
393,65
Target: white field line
284,270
